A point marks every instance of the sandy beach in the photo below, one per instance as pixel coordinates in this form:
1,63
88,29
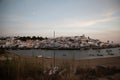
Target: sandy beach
109,61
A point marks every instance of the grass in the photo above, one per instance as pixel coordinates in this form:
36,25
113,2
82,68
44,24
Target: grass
22,68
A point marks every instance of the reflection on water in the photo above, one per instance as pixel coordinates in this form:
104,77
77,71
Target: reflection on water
68,54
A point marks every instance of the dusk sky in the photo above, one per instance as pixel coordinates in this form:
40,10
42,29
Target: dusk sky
99,19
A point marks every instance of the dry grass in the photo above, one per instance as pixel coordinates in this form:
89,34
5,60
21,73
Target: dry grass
32,68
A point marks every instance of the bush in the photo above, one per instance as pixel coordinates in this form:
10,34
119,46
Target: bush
2,51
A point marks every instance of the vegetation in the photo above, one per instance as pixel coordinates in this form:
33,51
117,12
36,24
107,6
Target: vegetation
22,68
24,38
2,51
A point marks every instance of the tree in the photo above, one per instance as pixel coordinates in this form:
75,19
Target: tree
33,38
28,37
108,41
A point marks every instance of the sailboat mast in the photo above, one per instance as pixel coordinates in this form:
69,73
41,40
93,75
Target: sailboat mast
54,35
54,50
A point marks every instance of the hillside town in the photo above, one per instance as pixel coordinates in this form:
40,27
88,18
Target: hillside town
76,42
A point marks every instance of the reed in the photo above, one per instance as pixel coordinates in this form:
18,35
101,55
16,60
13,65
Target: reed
22,68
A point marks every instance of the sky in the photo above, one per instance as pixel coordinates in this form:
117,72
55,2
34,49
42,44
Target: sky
99,19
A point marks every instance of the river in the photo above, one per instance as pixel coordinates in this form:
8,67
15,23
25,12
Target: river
71,54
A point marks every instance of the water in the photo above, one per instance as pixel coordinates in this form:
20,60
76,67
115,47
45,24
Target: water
70,54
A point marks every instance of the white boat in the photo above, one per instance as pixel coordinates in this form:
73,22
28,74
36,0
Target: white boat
39,56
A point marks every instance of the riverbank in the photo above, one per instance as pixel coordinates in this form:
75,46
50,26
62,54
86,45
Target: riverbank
106,61
23,67
80,48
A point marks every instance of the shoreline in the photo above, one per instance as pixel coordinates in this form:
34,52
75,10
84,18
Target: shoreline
99,57
106,61
82,48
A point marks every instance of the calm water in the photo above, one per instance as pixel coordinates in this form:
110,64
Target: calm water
70,54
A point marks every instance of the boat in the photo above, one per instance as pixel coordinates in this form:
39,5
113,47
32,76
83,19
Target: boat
91,54
110,54
99,55
39,56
